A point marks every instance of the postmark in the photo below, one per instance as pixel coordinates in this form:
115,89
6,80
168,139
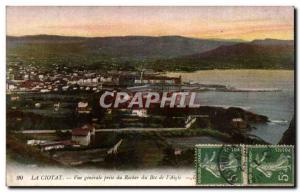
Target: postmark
230,162
271,165
219,165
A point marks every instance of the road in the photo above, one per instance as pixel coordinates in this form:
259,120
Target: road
105,130
110,130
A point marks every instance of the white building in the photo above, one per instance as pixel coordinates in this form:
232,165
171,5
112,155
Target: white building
140,112
10,86
53,145
82,136
83,107
56,106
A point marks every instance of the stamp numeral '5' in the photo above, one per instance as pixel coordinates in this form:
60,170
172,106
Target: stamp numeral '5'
270,165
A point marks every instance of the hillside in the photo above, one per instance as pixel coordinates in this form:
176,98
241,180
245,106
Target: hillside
165,53
253,55
105,50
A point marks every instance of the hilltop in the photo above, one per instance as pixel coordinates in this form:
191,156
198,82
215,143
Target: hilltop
164,53
258,54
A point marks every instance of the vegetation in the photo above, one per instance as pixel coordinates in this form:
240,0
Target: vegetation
240,56
171,53
17,150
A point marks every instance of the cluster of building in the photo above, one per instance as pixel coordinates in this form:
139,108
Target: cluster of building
33,79
82,136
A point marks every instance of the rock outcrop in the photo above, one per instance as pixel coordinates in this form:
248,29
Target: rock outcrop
289,136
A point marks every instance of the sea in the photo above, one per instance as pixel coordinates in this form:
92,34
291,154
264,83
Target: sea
277,106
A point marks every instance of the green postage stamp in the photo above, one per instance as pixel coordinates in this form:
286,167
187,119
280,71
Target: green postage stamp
270,165
244,165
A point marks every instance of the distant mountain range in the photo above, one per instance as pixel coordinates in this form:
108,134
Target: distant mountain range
258,54
127,46
159,53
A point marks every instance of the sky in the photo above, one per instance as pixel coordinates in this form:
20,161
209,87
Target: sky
245,23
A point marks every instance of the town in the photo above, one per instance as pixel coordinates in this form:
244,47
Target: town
66,92
63,79
59,113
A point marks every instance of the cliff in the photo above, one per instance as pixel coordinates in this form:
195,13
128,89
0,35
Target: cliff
289,136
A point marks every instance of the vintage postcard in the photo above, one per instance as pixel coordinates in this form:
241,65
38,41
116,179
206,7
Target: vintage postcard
150,96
